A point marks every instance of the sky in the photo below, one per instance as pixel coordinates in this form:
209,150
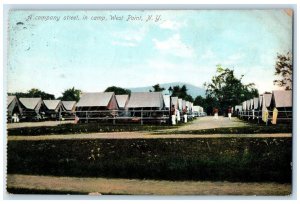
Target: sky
91,50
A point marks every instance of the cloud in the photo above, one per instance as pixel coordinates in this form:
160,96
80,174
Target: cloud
172,25
174,46
129,38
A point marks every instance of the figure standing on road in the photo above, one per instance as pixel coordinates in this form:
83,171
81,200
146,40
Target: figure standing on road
216,112
185,115
173,113
229,112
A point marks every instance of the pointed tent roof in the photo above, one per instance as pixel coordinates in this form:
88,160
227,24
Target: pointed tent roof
175,101
256,103
10,99
244,105
260,100
267,100
248,104
122,100
68,105
180,103
95,99
31,103
167,101
52,104
282,98
146,100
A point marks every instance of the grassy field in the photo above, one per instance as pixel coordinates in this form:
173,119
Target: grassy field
215,159
83,128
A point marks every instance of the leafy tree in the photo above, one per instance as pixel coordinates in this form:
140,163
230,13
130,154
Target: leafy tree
227,90
71,95
117,90
34,93
284,69
181,92
207,103
157,88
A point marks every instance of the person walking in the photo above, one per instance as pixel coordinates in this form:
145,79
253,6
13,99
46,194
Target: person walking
229,112
173,113
216,113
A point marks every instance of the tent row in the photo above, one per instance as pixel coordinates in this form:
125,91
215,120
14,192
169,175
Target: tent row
103,106
274,107
137,106
35,109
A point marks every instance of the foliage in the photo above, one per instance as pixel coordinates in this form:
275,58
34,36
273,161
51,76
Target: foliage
118,90
34,93
237,159
228,90
157,88
207,103
71,95
284,69
181,92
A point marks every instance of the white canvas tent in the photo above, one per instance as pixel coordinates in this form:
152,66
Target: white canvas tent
93,101
69,106
53,105
282,99
122,100
14,110
32,108
146,100
167,101
31,104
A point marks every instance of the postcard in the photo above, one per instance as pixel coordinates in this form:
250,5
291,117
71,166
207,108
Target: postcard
150,102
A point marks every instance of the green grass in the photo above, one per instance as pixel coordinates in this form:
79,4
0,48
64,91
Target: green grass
251,129
83,128
215,159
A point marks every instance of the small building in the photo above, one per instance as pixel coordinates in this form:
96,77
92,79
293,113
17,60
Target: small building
33,109
14,110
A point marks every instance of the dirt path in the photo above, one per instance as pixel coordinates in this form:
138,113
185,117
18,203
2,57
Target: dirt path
209,122
137,135
144,187
37,124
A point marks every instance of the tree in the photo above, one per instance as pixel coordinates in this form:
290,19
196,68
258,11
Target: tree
227,90
284,69
117,90
181,92
71,95
34,93
157,88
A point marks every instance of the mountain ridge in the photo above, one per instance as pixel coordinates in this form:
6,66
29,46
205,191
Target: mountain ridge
193,90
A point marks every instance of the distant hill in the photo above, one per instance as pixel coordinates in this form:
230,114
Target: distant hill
194,91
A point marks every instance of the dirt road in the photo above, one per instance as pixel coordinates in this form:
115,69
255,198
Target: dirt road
98,186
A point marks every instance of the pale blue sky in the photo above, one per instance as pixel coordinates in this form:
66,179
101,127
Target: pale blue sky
182,46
